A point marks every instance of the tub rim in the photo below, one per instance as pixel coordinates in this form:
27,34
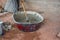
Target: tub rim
28,22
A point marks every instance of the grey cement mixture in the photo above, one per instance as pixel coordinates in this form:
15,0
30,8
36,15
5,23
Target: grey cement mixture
22,18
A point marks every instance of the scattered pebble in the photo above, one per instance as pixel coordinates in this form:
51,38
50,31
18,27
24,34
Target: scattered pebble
58,35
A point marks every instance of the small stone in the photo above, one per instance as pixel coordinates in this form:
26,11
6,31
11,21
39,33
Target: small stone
58,35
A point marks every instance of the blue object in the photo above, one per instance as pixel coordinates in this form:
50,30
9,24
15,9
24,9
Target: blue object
11,6
1,30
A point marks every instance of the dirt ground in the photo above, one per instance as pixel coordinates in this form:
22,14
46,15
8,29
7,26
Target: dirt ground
47,31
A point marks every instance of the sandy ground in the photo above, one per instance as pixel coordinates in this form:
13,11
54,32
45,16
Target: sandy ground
47,31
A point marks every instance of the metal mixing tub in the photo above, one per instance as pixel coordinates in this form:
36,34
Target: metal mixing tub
19,18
